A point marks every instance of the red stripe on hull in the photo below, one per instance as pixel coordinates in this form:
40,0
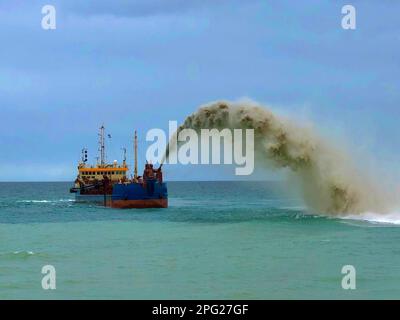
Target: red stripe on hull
140,204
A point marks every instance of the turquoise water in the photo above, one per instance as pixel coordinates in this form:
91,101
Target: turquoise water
217,240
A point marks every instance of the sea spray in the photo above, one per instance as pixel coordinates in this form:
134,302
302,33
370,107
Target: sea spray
328,180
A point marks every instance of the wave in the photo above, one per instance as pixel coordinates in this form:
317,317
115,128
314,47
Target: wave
45,201
392,218
23,254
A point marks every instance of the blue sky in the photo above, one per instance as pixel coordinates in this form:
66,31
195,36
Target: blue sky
138,64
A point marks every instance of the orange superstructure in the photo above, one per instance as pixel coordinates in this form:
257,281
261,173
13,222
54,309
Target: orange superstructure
114,172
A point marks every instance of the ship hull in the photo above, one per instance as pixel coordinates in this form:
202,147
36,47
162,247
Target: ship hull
140,204
128,196
92,198
153,194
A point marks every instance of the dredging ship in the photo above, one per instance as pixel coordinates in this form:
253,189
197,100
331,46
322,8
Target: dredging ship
108,183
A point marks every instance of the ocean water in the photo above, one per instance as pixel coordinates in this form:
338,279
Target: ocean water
217,240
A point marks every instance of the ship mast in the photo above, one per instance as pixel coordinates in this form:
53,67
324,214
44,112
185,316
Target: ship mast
135,175
124,161
102,146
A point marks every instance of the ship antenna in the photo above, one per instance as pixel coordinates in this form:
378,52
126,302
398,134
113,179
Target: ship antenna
102,146
135,174
124,149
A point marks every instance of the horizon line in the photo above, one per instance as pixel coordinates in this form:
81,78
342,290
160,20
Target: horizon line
71,181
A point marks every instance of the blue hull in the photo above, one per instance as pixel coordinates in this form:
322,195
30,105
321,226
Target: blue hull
151,194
